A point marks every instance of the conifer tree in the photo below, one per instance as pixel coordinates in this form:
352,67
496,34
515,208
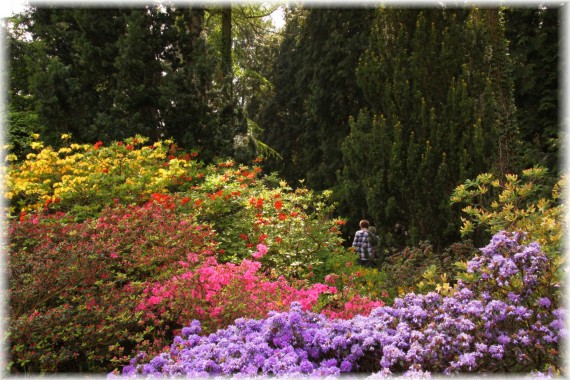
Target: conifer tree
138,75
441,111
72,76
533,35
105,74
316,92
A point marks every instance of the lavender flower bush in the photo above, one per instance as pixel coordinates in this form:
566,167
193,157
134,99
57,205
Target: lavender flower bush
506,319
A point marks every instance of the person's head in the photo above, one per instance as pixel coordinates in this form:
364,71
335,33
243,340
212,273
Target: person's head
364,223
372,229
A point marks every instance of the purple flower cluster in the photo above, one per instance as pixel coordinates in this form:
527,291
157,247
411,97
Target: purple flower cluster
503,321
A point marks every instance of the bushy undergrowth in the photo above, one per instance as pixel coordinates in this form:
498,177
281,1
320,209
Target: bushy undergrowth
74,286
242,206
421,268
508,319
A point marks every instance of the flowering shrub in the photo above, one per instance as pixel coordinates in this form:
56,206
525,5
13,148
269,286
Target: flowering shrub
294,224
74,287
113,247
342,271
243,207
217,294
504,321
83,179
421,269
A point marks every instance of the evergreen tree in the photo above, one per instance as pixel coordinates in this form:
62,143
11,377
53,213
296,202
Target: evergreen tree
73,79
138,76
441,111
533,34
316,92
22,119
105,74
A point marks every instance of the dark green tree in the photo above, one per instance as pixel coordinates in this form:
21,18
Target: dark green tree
138,74
534,45
21,117
441,111
73,78
315,92
105,74
243,41
193,111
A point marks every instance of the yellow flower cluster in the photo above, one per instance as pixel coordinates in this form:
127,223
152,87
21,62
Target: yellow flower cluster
83,174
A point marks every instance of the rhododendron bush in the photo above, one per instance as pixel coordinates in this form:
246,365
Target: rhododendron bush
508,320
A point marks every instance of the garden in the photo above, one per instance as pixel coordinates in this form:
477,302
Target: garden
183,184
132,258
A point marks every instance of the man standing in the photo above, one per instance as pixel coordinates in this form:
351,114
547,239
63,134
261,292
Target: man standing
361,244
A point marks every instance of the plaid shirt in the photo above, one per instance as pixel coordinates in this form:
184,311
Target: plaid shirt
361,244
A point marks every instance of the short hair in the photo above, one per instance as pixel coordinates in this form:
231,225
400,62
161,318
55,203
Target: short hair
364,223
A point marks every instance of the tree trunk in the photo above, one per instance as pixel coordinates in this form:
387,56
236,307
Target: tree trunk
227,49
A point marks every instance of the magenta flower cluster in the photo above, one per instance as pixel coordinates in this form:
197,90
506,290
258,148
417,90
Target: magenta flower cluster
503,321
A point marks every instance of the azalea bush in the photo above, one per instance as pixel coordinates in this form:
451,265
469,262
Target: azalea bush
244,207
74,286
341,271
85,294
246,211
83,179
217,294
508,319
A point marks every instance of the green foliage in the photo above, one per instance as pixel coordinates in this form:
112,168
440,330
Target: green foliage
527,203
421,269
22,119
74,287
246,211
341,271
315,92
424,133
71,69
151,73
534,35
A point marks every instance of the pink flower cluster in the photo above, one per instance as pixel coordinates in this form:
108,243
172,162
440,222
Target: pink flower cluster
261,251
355,306
217,294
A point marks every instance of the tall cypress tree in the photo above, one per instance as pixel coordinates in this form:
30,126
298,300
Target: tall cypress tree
138,75
441,111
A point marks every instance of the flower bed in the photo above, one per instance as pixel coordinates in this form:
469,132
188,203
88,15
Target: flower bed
506,320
